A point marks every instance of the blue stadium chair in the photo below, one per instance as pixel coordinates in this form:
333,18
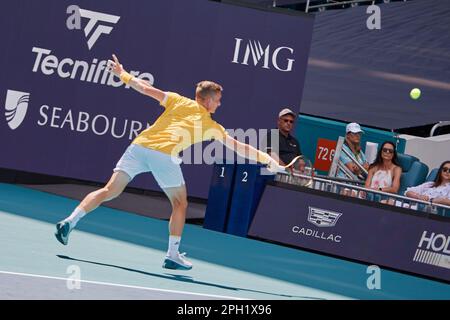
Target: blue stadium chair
414,172
432,174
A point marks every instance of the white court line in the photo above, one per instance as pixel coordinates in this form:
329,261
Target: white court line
122,285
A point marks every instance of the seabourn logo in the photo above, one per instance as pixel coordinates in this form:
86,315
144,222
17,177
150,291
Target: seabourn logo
16,105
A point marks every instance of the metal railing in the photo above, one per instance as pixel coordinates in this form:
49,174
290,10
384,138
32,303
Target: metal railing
354,190
359,165
334,4
337,165
437,125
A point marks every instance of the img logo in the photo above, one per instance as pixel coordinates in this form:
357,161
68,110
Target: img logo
94,28
265,55
323,218
16,106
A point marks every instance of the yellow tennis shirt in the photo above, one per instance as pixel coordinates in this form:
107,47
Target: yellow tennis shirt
182,124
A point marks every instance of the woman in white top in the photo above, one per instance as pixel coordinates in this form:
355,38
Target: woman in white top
384,173
437,191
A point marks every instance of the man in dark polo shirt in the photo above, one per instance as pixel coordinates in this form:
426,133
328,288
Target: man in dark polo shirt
288,147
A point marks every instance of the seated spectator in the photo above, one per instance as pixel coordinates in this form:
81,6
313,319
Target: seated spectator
437,191
384,174
288,145
352,145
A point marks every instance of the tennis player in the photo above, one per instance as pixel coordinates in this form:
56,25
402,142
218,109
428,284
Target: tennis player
156,150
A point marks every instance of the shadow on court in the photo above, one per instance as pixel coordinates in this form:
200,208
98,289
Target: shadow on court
184,278
256,257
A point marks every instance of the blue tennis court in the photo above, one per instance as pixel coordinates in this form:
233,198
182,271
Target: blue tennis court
118,255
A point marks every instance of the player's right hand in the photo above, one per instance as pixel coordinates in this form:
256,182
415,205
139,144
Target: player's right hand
274,167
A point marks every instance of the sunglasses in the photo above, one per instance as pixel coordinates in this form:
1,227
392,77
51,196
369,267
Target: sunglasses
446,169
287,120
386,150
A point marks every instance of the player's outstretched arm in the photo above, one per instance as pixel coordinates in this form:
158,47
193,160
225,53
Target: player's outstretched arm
139,85
249,152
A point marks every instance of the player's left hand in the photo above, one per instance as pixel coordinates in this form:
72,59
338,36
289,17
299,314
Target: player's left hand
115,66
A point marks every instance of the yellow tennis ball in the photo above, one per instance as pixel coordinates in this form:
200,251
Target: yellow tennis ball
415,93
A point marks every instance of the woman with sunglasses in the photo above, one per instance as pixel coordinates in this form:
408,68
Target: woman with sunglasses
437,191
384,173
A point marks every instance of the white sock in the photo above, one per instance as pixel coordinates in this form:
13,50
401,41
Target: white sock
174,244
76,215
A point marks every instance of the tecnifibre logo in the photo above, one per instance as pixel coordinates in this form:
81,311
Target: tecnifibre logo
16,106
94,28
49,63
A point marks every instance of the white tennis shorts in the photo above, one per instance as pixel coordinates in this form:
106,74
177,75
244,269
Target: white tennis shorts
166,169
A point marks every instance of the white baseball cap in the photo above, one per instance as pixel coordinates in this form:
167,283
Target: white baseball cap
353,127
285,112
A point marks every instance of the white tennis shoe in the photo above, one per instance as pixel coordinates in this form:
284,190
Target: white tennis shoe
177,262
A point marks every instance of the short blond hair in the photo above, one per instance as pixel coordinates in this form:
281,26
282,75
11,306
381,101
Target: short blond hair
207,88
